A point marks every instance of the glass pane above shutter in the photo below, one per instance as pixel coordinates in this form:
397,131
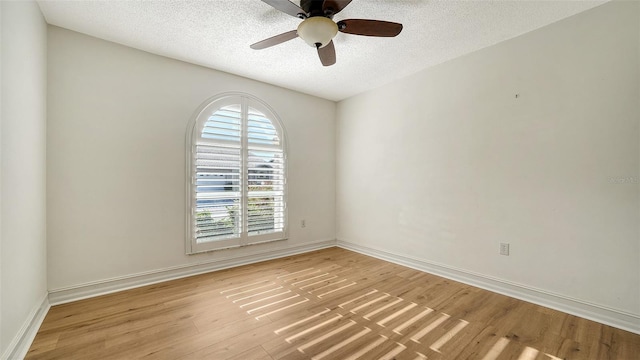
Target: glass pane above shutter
225,125
260,130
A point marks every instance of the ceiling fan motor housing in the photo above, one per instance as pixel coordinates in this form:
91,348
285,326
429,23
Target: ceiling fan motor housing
312,7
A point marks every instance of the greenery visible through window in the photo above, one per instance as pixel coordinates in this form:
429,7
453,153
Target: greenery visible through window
237,175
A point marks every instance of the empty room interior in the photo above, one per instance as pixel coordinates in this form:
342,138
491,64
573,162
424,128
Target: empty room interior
316,179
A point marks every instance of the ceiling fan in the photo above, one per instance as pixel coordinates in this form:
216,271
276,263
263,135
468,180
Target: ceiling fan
318,29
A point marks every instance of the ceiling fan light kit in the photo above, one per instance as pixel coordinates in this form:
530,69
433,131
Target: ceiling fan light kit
318,29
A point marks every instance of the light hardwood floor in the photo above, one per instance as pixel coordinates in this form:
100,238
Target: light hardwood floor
328,304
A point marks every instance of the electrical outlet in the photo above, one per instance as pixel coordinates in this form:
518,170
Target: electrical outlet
504,249
303,223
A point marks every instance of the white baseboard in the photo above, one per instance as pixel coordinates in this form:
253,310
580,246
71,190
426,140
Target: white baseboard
88,290
21,343
616,318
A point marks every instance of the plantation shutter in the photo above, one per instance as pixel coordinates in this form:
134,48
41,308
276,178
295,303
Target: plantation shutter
237,177
218,177
265,191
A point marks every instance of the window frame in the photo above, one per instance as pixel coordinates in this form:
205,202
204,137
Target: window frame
193,135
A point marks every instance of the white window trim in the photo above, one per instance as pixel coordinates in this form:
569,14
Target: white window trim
195,124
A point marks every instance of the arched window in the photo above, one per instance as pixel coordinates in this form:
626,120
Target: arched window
236,183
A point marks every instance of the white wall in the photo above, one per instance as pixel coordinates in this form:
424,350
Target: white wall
446,164
116,159
23,170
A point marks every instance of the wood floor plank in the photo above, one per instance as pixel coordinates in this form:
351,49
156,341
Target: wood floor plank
255,353
229,347
328,304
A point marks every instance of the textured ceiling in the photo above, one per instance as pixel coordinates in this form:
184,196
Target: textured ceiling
217,34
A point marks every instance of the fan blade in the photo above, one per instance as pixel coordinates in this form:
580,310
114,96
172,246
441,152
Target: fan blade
327,54
286,7
369,27
275,40
334,6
